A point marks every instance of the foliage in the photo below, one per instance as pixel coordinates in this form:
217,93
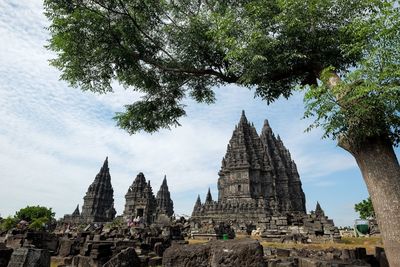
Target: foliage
33,213
170,50
36,216
365,209
39,223
367,101
116,223
8,223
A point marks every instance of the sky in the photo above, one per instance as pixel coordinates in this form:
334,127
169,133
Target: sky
54,138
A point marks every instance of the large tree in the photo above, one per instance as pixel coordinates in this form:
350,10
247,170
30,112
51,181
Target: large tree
172,49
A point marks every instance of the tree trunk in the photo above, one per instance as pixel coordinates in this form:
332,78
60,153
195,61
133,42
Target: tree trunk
381,171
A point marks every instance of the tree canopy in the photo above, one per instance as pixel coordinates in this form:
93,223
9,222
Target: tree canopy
367,101
365,209
35,216
31,213
170,50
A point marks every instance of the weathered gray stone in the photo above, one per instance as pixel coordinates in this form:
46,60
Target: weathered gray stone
381,257
30,257
159,248
43,240
218,253
5,255
185,255
155,261
84,261
126,258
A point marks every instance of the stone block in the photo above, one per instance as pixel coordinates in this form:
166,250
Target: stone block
30,257
155,261
126,257
83,261
65,247
243,252
159,249
381,257
361,253
184,255
43,240
15,241
280,252
5,255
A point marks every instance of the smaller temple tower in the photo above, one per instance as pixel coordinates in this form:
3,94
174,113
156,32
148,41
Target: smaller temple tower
140,200
98,203
165,205
76,212
197,205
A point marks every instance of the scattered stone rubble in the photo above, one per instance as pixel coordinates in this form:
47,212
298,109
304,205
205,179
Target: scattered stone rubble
153,246
241,252
248,252
95,245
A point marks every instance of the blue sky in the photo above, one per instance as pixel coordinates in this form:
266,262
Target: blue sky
54,138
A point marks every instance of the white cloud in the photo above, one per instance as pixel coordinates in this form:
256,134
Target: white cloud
54,138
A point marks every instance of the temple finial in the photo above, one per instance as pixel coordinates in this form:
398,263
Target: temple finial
76,211
198,201
105,164
243,118
318,210
209,197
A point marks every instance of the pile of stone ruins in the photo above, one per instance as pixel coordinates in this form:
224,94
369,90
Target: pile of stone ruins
259,196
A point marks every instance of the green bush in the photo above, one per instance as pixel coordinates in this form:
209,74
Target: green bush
39,223
31,213
8,223
36,216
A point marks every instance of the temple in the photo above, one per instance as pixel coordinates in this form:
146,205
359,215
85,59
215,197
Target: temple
165,205
98,203
258,185
141,202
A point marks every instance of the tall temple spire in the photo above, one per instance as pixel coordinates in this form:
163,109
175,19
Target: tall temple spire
76,211
243,116
105,164
197,205
208,197
165,205
198,201
164,182
245,154
266,163
98,204
319,211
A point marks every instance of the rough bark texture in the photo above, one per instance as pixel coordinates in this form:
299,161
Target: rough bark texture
381,171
